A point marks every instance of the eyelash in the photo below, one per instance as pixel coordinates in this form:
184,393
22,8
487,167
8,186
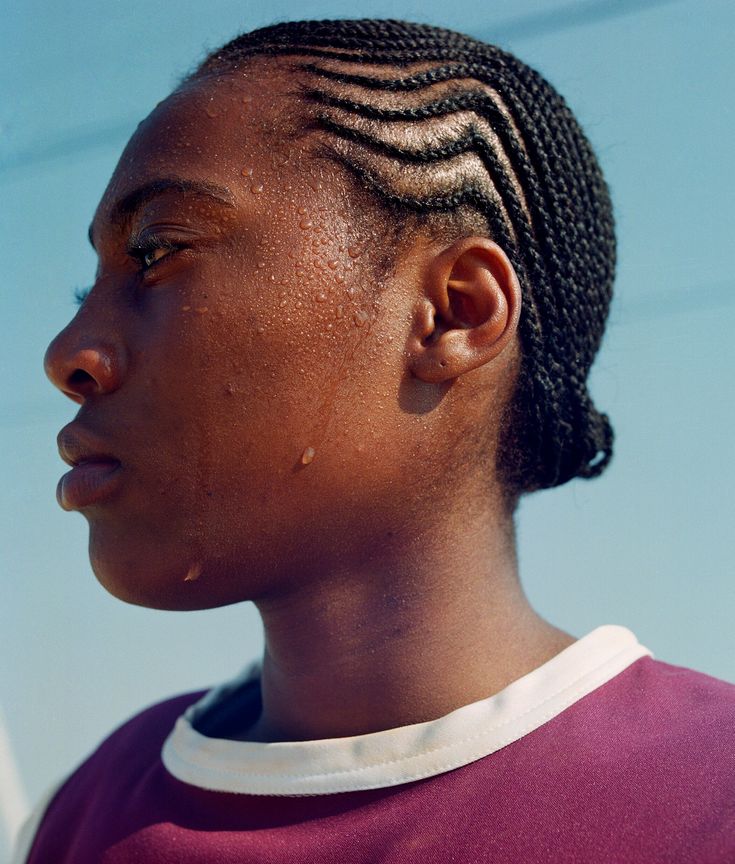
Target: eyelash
139,248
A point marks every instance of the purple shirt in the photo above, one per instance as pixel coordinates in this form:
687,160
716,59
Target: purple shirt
641,768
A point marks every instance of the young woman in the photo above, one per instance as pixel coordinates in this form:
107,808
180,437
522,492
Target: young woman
352,278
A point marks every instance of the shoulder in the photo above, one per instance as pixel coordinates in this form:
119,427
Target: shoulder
662,709
137,741
148,728
684,703
641,768
664,733
130,753
689,719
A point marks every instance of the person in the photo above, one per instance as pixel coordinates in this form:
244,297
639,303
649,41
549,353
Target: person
352,278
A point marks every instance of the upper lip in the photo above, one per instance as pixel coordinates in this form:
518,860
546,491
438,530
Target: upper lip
76,448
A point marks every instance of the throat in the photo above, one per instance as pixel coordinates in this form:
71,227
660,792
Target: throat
383,700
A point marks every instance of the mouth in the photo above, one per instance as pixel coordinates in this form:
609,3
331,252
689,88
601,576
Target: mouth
95,474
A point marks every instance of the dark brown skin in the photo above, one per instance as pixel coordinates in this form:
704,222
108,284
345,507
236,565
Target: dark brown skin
384,568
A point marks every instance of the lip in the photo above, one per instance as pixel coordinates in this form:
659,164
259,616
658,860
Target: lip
95,473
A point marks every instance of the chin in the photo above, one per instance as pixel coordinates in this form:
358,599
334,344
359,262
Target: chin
161,576
145,575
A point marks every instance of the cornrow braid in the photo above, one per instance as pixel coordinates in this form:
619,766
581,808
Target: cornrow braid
466,131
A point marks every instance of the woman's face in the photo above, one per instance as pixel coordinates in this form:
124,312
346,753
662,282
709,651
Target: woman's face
236,357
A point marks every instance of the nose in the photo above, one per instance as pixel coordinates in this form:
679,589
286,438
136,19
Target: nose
82,367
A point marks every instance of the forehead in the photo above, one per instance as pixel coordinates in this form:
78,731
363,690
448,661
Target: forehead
232,131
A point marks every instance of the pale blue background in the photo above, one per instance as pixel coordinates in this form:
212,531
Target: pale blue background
649,545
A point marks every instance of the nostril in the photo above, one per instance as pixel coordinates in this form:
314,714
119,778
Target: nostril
84,372
80,380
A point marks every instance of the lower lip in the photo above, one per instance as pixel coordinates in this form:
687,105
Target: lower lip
88,484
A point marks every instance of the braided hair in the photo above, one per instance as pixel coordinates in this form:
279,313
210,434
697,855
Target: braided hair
442,126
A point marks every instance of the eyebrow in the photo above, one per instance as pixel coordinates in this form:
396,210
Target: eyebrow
129,204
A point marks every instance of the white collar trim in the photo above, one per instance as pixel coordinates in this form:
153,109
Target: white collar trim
401,755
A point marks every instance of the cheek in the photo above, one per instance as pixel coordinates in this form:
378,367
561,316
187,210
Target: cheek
269,395
290,316
243,381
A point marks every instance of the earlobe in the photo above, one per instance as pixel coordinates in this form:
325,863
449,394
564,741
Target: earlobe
468,312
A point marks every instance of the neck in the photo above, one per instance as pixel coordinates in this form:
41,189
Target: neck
401,635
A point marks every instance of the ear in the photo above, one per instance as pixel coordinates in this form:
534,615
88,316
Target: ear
468,312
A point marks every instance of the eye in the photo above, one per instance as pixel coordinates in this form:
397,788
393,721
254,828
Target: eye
151,249
149,258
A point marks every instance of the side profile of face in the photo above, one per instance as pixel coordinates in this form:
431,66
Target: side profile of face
237,357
